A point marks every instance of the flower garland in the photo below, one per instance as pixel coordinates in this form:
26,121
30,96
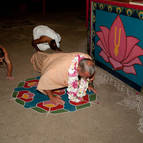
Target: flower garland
76,89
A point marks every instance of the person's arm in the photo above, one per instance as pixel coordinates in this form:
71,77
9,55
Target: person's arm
55,99
9,65
42,39
90,85
45,39
91,88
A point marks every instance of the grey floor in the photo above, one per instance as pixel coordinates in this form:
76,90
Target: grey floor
107,122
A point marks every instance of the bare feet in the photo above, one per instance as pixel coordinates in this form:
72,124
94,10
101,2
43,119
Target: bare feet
57,100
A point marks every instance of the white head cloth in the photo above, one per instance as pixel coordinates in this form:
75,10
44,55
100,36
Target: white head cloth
42,30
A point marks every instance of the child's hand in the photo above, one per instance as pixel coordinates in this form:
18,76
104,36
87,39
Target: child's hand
10,77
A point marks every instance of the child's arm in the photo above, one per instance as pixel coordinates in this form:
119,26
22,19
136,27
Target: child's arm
9,65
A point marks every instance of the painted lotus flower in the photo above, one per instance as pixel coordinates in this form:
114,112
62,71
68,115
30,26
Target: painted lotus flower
31,83
59,92
121,51
26,96
49,106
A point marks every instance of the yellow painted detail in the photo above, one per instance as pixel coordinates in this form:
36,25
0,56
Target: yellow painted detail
49,105
117,43
31,83
25,96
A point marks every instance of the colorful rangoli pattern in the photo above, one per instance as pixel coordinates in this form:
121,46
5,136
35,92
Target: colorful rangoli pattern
27,95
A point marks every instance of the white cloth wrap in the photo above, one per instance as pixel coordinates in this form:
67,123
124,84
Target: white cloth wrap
42,30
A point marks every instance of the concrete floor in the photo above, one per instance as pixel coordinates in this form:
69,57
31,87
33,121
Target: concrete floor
107,122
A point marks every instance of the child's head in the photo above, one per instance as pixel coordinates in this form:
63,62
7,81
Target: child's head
1,55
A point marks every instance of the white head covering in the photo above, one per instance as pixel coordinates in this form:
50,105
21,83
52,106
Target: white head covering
42,30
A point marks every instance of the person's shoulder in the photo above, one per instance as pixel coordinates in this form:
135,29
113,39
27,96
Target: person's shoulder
73,54
81,53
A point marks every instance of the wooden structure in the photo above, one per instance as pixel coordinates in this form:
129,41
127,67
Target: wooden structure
115,39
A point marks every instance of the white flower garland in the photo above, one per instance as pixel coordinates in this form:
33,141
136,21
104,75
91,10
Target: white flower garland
76,89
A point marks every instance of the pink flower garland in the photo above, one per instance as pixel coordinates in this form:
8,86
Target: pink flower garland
76,89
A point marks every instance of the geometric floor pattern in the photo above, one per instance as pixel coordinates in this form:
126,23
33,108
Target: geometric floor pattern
27,95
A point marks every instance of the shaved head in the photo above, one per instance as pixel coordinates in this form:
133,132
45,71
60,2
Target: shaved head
87,66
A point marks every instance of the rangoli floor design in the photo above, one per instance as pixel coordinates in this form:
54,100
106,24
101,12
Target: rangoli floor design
27,95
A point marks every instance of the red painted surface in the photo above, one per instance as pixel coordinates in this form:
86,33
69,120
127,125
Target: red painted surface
85,100
57,107
121,4
33,82
20,94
